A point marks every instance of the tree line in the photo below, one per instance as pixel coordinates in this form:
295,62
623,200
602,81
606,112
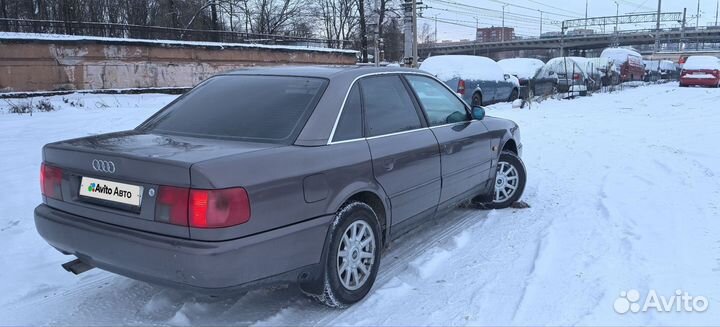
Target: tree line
344,23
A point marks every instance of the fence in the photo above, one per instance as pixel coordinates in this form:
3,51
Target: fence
158,33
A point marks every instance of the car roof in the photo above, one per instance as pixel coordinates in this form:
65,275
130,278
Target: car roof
329,72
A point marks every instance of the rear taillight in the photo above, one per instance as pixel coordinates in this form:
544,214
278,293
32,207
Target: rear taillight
172,205
461,87
716,73
202,208
51,181
218,208
577,76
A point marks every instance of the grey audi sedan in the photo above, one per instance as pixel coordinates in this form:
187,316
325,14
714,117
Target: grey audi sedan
300,174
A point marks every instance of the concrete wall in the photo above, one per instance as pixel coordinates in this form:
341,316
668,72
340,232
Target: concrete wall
46,65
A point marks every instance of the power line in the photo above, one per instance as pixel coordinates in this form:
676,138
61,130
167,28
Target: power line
509,16
528,8
465,6
526,21
553,7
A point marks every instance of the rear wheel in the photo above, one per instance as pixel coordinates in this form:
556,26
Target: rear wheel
509,181
477,99
513,95
353,256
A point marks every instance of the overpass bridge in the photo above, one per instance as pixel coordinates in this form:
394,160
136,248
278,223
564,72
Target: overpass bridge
709,34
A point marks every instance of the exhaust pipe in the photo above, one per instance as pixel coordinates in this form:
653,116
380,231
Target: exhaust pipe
76,266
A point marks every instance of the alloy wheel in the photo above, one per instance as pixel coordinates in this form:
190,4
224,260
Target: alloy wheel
506,182
356,255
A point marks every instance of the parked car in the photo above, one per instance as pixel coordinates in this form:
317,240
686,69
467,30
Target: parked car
659,70
562,75
700,71
593,76
478,80
608,73
628,61
524,69
276,174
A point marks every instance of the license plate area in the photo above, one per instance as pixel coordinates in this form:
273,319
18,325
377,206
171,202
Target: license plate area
109,193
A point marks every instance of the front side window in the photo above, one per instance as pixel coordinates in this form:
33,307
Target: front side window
440,105
388,106
269,109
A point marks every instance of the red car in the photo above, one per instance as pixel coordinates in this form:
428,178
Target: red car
701,71
628,62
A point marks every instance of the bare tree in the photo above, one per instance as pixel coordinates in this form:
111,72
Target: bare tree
272,16
425,35
339,20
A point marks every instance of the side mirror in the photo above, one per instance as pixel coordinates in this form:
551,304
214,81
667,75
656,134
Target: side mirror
478,112
551,73
506,76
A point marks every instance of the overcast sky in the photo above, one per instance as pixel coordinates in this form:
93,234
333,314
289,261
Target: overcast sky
456,19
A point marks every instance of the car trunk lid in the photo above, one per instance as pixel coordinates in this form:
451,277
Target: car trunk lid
132,161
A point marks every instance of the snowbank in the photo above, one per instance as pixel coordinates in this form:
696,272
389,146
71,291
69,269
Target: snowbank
523,68
466,67
702,62
63,37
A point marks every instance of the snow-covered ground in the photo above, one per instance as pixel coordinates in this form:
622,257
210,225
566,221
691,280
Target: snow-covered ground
624,189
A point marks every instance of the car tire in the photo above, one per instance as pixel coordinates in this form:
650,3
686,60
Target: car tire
513,95
476,99
339,291
510,181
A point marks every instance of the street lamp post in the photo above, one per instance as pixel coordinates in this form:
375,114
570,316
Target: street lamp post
542,21
502,34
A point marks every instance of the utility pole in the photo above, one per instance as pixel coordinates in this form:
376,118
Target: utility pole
409,28
436,29
657,28
717,9
697,25
617,15
562,39
414,33
541,21
376,53
682,30
502,35
617,21
586,13
477,26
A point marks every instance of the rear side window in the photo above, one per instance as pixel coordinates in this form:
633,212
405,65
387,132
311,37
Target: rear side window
388,106
350,125
268,109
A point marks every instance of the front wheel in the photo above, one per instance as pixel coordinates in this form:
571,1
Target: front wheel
353,256
509,181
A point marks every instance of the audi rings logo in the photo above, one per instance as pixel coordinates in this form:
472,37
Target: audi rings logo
105,166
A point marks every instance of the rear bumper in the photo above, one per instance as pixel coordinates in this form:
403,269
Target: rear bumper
699,81
284,254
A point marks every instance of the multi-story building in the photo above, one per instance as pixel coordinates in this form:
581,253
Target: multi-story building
495,34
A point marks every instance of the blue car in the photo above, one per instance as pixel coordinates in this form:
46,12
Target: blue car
478,80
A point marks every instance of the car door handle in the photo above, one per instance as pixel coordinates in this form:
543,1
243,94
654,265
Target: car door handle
390,165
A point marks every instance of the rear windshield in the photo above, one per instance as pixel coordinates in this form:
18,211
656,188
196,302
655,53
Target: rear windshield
253,108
